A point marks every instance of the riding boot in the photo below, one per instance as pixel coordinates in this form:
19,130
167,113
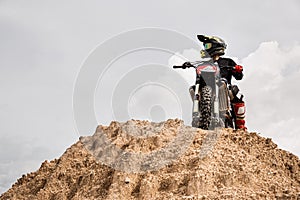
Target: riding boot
239,110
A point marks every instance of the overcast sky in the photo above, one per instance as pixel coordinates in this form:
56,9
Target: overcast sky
45,43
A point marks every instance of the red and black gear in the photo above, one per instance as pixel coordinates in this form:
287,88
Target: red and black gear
238,69
229,69
239,111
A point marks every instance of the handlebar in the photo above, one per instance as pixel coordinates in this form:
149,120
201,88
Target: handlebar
183,66
188,65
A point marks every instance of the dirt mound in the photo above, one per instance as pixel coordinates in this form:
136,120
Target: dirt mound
219,164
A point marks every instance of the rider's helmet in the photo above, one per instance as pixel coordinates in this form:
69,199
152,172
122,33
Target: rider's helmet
213,45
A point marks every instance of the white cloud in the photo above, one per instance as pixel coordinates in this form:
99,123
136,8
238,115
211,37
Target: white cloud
271,88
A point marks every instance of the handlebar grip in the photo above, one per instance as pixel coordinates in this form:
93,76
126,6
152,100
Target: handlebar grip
176,66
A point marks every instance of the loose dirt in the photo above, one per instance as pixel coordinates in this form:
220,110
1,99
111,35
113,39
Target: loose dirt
225,164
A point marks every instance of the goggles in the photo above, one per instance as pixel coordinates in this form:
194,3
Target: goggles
210,45
207,45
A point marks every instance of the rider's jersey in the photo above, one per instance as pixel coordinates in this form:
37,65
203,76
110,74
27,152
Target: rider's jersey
226,70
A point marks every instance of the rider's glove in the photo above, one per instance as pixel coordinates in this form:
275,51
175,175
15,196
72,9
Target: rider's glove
187,64
238,69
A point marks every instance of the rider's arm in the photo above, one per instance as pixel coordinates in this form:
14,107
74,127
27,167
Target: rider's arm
237,70
229,68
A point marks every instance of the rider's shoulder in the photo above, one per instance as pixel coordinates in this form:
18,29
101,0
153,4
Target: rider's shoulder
226,61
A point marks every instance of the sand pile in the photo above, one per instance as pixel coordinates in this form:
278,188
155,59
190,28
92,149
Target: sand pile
146,160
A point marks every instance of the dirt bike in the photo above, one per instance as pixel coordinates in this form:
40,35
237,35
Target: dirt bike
211,98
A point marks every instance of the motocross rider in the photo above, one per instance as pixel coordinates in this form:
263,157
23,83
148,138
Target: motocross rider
215,47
